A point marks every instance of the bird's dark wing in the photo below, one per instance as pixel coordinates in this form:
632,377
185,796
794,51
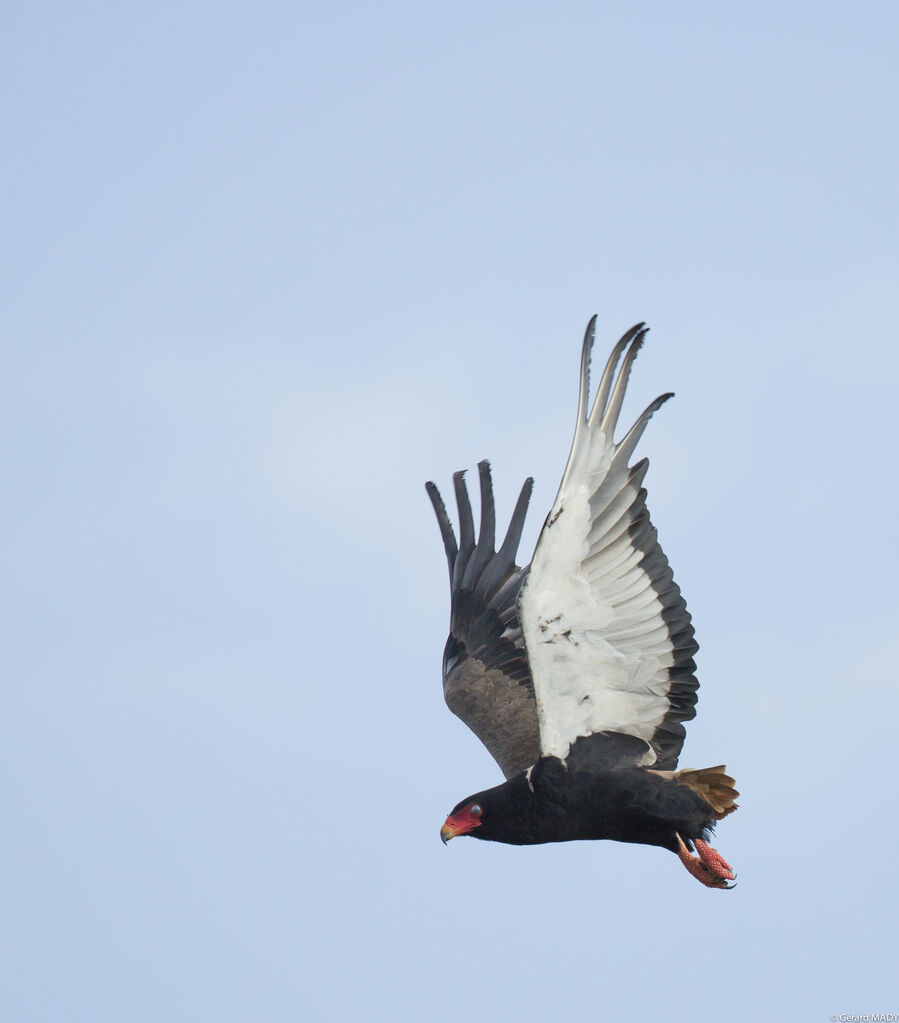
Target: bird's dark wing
609,639
486,679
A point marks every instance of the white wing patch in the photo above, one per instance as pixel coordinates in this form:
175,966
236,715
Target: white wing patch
597,640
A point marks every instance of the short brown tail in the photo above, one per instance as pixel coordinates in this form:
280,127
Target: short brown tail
712,785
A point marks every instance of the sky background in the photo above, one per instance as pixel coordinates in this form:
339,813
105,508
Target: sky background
266,269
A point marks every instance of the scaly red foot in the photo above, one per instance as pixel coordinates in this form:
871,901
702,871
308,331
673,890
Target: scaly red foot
709,867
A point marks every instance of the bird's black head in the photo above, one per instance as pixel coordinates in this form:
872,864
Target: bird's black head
500,814
464,819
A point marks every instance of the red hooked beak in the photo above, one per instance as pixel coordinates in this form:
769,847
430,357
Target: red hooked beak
460,824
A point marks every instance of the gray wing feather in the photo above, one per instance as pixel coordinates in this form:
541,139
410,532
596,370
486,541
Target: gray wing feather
486,677
670,733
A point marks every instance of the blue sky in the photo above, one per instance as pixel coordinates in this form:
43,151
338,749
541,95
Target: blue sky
265,270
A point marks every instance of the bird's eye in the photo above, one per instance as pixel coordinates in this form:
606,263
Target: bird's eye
476,811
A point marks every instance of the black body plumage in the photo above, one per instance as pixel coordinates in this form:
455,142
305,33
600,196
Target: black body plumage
597,793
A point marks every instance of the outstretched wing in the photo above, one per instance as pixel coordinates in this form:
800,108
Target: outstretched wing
608,635
486,679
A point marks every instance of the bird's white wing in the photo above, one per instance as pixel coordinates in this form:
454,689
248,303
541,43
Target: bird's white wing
608,636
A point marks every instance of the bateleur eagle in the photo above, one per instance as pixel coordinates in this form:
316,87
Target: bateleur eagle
577,671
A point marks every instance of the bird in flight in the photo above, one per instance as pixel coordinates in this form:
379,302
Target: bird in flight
577,671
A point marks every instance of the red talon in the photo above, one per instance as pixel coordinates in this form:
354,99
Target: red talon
713,859
709,867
